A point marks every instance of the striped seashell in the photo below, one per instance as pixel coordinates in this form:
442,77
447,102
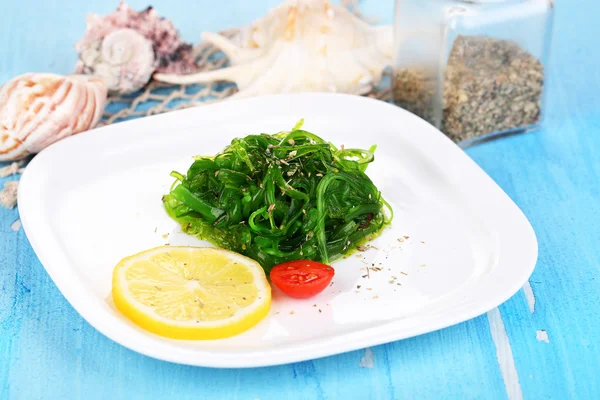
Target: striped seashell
37,109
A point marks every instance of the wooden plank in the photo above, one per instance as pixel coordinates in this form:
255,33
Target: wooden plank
554,176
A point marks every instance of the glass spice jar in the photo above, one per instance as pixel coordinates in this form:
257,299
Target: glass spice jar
473,69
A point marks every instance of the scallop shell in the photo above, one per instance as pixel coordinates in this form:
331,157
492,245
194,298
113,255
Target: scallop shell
300,45
37,109
133,67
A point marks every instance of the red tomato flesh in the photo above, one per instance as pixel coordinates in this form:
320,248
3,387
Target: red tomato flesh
301,278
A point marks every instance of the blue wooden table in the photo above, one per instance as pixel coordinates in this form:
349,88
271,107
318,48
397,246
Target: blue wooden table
543,343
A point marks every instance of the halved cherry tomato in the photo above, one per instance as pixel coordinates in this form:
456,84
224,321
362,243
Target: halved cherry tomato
301,278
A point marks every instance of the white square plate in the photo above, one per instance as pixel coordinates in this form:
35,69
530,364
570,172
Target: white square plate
458,246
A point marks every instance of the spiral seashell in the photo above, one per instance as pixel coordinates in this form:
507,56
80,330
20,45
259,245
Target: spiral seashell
124,58
37,109
126,46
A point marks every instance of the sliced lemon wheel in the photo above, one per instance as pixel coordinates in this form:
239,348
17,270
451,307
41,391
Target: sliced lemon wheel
191,292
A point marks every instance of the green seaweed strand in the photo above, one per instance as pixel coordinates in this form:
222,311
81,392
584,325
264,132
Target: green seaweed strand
280,197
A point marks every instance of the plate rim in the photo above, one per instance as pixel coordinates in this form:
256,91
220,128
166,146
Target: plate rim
167,351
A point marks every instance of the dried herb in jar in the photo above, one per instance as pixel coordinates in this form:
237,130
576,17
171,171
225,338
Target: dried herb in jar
489,86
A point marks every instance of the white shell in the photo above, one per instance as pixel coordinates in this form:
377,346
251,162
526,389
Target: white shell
37,109
124,58
301,45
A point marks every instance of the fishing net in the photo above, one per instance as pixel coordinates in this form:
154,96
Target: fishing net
158,97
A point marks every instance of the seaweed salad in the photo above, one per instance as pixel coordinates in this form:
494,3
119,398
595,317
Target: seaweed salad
280,197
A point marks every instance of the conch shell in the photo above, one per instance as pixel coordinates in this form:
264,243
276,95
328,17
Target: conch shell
301,45
37,109
125,47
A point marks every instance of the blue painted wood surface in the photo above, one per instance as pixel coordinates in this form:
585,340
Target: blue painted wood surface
48,352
